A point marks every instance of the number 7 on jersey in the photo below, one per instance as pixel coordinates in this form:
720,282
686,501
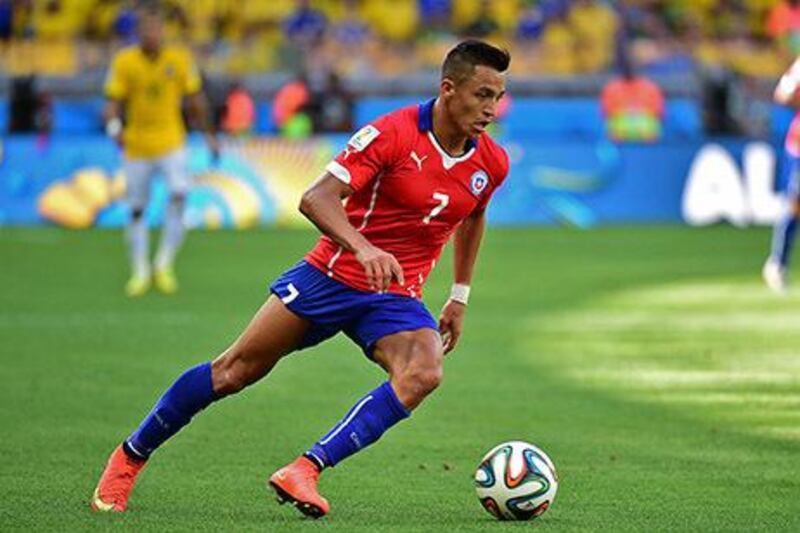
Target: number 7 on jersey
443,200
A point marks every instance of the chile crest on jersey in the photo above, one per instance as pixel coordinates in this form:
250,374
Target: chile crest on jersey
478,182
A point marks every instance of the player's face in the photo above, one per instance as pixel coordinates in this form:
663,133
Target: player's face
150,32
472,104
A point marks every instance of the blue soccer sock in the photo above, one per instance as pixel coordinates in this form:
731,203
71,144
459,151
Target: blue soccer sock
783,239
366,421
190,394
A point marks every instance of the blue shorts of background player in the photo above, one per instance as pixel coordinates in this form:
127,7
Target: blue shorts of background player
785,229
333,307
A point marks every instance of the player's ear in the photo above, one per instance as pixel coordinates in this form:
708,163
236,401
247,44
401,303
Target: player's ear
447,86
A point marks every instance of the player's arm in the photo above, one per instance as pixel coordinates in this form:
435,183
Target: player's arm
116,91
322,205
466,243
197,106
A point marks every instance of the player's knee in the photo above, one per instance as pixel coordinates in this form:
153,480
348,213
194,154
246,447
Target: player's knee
424,372
234,370
427,379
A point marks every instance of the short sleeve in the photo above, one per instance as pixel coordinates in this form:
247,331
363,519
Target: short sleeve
370,151
192,82
495,181
116,84
789,82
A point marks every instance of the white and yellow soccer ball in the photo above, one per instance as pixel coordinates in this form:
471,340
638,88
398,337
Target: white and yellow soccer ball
516,481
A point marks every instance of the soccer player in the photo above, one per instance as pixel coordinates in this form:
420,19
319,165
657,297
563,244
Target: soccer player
777,265
386,205
148,82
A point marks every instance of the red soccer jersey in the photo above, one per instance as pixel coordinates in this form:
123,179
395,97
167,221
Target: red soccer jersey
787,89
409,195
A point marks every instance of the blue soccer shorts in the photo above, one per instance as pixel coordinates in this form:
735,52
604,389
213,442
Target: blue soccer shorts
331,307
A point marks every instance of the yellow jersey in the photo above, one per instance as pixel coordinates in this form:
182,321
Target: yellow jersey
152,91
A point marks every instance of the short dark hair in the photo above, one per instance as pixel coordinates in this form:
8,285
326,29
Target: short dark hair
461,61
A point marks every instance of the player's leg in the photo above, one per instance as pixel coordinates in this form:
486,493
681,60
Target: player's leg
138,174
273,332
178,179
783,235
413,360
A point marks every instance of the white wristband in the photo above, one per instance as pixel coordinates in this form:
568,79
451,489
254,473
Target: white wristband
460,293
114,127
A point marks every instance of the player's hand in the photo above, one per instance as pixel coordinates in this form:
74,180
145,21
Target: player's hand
451,324
114,131
380,267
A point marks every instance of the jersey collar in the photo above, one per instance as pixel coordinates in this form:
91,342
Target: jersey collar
426,123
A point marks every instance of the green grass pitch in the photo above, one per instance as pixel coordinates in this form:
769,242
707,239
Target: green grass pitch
650,363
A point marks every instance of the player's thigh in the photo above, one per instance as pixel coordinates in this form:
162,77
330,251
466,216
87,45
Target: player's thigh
138,176
176,173
409,352
272,333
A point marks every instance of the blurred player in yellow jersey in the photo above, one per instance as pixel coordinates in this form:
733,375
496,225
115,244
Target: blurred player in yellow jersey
146,84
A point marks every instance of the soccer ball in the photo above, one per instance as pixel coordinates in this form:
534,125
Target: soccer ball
516,481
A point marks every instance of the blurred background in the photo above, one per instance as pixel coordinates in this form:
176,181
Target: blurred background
616,109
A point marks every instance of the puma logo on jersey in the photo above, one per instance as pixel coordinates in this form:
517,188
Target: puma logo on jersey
418,160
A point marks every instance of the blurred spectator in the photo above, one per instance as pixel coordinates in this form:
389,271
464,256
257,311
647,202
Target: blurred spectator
435,14
305,26
124,25
240,111
384,37
289,108
331,108
783,24
216,91
6,19
558,46
633,107
351,29
30,110
23,19
484,24
395,20
594,25
721,99
531,23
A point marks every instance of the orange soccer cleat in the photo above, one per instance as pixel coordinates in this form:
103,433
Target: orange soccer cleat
116,483
296,483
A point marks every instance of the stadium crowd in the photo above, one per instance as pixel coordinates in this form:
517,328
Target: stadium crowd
393,37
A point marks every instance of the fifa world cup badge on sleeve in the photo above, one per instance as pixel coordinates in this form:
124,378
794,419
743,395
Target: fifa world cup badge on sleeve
363,137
